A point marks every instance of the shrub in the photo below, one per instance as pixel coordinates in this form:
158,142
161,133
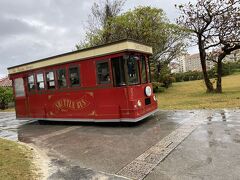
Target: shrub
167,80
161,89
192,75
158,87
6,96
227,69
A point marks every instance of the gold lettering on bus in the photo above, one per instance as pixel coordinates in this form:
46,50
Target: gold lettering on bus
66,104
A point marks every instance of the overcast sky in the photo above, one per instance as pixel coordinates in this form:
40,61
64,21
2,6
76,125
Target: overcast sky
31,30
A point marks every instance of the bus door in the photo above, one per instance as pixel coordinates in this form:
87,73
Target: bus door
21,101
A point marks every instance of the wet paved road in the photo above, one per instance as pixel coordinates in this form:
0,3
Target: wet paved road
211,149
9,126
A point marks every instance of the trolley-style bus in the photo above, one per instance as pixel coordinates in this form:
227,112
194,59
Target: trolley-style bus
106,83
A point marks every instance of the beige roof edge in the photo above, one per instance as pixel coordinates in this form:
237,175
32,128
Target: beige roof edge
84,54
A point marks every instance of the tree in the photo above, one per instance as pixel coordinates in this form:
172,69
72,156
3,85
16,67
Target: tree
151,26
214,25
6,96
148,25
99,20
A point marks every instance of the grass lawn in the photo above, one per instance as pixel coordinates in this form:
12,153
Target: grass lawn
192,95
16,161
8,110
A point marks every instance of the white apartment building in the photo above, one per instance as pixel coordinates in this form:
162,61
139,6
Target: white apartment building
178,65
192,62
233,57
189,63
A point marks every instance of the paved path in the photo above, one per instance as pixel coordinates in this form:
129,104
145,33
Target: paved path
169,145
212,151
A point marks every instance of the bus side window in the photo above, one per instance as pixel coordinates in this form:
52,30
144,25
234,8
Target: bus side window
19,87
118,66
40,81
50,80
31,84
103,73
74,76
61,77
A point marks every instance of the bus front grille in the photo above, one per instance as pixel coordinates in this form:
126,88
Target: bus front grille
147,101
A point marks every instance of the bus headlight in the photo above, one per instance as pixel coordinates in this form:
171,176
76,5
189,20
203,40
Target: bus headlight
154,98
148,91
139,103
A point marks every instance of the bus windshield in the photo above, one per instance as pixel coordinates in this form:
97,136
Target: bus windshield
132,70
126,70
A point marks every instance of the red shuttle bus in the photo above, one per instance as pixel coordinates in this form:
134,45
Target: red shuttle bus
107,83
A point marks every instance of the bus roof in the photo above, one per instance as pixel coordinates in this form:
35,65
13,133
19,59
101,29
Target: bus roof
110,48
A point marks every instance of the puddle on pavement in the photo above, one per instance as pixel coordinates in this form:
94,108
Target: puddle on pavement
13,129
222,116
9,126
10,135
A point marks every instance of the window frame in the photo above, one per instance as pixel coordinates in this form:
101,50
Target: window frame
146,72
44,82
138,73
66,77
108,61
69,84
54,75
124,71
24,89
34,82
149,78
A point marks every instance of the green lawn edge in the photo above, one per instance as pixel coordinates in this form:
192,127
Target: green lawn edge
16,161
192,95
